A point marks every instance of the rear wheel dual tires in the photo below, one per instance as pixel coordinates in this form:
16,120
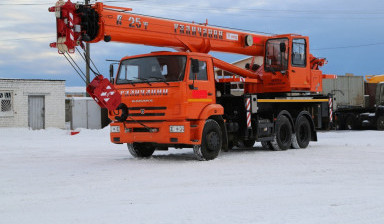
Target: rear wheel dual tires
141,150
283,135
211,142
302,135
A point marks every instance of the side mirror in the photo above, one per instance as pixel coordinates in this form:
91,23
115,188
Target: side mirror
111,79
283,47
195,69
195,66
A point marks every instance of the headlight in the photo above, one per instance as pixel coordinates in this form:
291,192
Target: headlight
176,129
115,129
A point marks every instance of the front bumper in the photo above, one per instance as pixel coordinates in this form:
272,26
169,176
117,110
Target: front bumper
134,132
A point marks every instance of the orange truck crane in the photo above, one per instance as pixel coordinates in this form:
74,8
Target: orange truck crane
173,99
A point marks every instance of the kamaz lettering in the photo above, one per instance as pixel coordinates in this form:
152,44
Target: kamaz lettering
144,92
198,31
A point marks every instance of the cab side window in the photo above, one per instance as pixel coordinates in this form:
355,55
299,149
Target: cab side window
299,53
202,75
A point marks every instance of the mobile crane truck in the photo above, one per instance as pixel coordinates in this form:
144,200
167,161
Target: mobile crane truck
173,99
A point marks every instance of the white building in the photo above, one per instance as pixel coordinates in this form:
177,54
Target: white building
33,103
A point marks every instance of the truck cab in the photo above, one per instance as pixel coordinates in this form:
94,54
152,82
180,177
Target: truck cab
168,97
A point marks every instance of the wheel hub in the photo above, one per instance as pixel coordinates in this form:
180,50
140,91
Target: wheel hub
212,141
284,134
303,133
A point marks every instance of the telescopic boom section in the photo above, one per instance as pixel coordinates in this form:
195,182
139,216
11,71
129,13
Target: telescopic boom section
92,23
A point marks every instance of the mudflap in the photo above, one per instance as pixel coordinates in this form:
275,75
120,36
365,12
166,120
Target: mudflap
104,93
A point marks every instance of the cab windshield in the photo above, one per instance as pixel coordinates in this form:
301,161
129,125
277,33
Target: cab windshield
169,68
276,56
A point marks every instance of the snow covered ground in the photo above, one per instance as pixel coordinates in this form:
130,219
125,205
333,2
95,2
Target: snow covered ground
50,177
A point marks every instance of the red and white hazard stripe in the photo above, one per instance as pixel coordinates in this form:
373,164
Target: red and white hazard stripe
71,32
330,102
248,108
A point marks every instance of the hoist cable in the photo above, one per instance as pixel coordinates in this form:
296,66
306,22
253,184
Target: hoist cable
83,56
74,68
93,71
76,64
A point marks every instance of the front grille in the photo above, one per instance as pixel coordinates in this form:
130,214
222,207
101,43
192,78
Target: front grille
146,111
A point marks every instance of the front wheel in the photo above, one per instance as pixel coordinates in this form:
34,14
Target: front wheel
211,141
141,150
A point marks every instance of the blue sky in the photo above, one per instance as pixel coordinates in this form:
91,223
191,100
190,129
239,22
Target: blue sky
341,25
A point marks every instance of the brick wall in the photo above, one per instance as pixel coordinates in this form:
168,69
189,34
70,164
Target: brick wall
52,90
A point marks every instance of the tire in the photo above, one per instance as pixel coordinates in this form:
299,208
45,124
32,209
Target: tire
302,135
283,134
380,123
266,145
350,123
141,150
211,141
247,143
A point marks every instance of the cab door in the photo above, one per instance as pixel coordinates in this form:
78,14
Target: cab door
201,87
299,67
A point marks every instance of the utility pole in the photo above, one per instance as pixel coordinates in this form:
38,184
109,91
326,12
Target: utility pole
87,59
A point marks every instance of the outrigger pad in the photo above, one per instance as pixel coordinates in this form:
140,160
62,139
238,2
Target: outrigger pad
104,93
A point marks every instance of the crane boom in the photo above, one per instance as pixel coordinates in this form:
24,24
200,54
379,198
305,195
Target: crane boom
93,23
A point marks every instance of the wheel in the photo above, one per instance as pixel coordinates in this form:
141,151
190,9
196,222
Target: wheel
283,134
247,143
266,145
141,150
380,123
302,135
350,123
211,141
